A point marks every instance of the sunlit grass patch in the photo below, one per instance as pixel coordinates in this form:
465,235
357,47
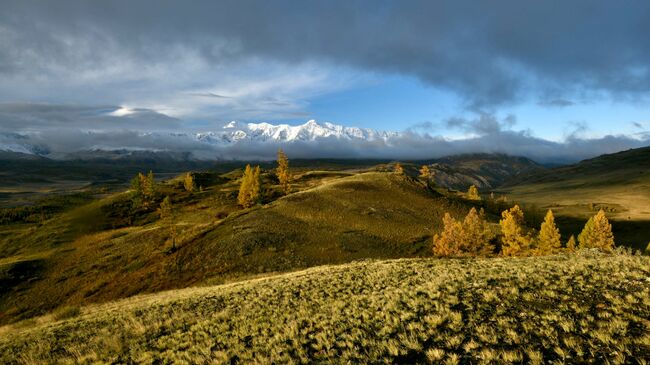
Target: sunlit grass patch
409,311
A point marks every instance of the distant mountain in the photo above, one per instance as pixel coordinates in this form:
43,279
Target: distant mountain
622,167
310,131
231,134
485,170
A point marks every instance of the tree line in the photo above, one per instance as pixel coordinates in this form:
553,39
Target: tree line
473,235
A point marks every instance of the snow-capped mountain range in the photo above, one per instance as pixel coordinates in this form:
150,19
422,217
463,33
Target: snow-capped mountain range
230,134
310,131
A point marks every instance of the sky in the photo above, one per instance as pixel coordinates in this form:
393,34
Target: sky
500,73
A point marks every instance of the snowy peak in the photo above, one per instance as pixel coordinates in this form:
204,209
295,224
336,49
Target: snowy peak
310,131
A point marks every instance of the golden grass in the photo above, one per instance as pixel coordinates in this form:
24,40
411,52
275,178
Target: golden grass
586,308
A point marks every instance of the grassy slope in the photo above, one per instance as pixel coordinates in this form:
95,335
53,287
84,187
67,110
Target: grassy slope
333,217
619,182
566,309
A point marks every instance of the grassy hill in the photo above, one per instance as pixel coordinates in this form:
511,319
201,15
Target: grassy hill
102,251
589,308
619,183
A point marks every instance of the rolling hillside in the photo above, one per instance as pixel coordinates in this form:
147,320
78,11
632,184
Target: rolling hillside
556,309
100,251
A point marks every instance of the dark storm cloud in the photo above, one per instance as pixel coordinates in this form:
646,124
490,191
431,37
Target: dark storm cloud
485,124
488,52
15,117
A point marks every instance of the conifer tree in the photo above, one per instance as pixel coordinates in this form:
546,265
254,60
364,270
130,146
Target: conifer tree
245,187
249,190
571,244
136,187
399,169
548,241
447,242
167,215
425,173
284,176
587,235
513,239
472,193
475,234
148,188
597,233
188,182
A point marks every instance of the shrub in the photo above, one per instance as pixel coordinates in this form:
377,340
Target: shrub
472,193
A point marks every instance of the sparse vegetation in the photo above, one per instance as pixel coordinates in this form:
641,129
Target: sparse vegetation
167,216
555,309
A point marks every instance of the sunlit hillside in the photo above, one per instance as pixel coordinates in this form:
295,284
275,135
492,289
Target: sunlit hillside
586,308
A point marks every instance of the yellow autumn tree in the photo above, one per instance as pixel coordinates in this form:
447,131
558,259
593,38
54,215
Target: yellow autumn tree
548,240
513,240
284,176
597,233
471,236
476,234
571,244
399,169
425,172
250,187
144,190
472,193
188,182
447,242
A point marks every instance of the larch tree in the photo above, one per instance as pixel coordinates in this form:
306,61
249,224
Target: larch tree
548,240
571,244
188,182
447,242
144,190
136,188
149,190
250,187
284,175
513,240
167,215
472,193
476,234
597,233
